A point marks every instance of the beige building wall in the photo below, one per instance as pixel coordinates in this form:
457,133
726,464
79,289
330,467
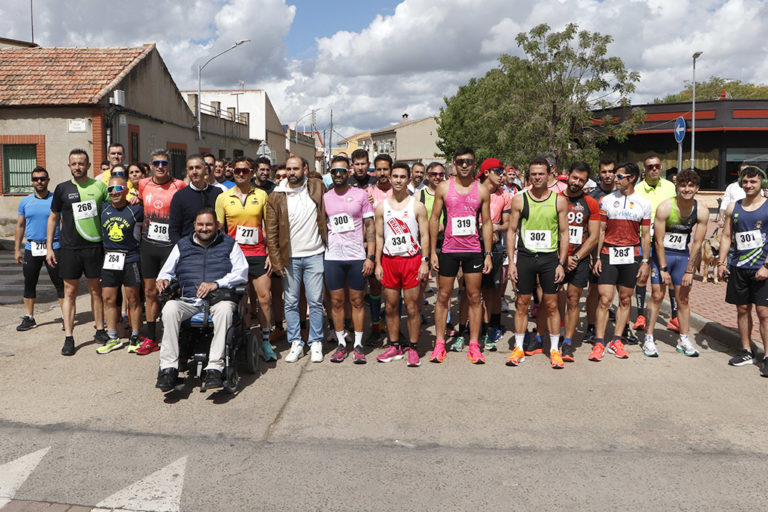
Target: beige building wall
417,141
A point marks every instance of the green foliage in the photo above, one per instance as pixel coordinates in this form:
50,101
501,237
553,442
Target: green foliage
713,88
543,102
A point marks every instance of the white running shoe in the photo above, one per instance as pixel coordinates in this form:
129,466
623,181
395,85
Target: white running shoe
296,352
316,350
687,348
649,348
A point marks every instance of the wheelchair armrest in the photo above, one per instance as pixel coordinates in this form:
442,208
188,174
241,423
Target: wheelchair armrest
241,290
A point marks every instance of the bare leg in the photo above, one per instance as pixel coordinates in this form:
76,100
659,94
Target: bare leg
68,307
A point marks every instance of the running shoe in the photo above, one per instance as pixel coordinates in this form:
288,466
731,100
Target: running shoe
267,352
616,347
340,355
491,339
474,354
450,332
639,323
649,348
567,352
413,358
391,353
597,352
687,348
533,347
743,358
101,336
673,325
358,357
764,368
534,310
27,323
69,346
629,337
457,345
556,359
612,314
126,321
109,346
438,354
147,347
516,357
133,344
589,336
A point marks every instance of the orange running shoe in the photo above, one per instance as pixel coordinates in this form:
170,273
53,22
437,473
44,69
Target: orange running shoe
516,357
557,360
639,323
616,347
438,354
597,352
673,324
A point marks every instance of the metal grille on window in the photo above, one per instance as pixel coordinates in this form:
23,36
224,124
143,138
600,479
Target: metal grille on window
178,163
18,162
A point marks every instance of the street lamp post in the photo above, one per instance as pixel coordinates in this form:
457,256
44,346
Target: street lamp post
693,113
199,83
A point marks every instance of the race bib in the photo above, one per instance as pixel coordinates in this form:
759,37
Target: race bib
463,226
38,248
398,244
158,232
84,209
114,260
342,223
576,234
747,240
621,255
247,235
538,239
675,241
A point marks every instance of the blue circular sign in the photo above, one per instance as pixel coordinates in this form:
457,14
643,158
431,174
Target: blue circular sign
679,129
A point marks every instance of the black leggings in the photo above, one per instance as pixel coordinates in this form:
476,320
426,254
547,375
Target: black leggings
31,268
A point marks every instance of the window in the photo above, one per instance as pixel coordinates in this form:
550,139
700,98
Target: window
134,147
237,152
18,162
178,163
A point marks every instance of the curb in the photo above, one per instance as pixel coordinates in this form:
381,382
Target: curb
725,335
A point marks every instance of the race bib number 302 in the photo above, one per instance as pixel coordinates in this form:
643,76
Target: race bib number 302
747,240
537,239
621,255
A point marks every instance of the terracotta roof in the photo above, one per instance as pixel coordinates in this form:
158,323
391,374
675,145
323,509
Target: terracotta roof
63,76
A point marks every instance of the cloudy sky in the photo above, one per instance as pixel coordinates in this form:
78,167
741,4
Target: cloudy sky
372,60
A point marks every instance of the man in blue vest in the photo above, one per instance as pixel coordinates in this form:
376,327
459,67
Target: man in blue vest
202,262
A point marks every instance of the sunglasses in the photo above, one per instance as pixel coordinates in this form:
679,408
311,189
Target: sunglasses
115,189
336,171
279,177
464,161
240,171
622,176
118,174
161,163
653,167
437,174
497,170
39,178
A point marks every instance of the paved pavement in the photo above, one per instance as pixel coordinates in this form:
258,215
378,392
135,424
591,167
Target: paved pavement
91,432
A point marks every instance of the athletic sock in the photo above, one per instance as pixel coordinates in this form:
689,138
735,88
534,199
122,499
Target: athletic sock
112,333
538,340
567,341
615,338
374,302
519,340
640,297
358,339
412,346
151,326
649,338
673,301
134,333
495,320
683,338
599,341
395,343
340,338
554,339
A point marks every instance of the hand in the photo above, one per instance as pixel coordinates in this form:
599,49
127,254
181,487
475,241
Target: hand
368,267
687,279
161,284
572,263
495,237
762,274
268,266
488,265
720,223
423,271
280,272
665,278
50,257
512,272
559,274
205,288
18,257
133,199
597,267
723,272
379,273
434,260
642,272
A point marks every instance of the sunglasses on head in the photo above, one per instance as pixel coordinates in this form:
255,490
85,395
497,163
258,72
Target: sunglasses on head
464,161
653,167
39,178
338,170
160,163
240,170
115,189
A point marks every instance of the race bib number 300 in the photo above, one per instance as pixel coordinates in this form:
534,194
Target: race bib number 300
621,255
747,240
342,223
538,239
675,241
463,226
247,235
84,209
159,232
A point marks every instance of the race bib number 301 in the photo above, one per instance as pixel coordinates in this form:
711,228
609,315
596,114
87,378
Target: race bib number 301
84,209
463,226
747,240
247,235
621,255
342,223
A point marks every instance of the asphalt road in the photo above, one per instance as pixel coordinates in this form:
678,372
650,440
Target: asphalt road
638,434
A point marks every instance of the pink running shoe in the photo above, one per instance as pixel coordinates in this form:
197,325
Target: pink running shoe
391,353
474,354
413,358
438,354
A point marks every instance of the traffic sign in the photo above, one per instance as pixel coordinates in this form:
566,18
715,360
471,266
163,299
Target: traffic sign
679,130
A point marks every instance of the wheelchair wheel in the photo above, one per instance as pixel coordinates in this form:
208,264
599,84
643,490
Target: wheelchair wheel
232,379
251,353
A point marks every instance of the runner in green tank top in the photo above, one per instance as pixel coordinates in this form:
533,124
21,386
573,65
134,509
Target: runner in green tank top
538,226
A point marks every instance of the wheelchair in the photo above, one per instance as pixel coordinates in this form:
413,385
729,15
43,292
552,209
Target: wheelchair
195,335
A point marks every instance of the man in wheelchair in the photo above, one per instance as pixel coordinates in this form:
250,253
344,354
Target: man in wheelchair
205,263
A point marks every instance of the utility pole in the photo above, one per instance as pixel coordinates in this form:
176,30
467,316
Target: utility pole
330,140
32,20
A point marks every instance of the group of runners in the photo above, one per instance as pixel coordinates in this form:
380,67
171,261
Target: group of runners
385,235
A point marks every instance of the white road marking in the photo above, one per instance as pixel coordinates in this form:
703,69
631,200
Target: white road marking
159,492
13,474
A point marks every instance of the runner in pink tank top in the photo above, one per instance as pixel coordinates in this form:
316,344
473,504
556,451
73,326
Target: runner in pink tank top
461,231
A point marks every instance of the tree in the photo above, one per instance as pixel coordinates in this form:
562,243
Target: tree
544,102
713,88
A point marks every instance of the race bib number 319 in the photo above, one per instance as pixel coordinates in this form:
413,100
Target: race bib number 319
463,226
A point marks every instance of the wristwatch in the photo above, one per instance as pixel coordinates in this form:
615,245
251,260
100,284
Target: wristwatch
425,259
561,264
576,257
644,260
664,269
371,257
487,254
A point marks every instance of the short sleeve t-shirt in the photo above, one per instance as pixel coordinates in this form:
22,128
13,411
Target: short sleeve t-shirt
157,209
35,212
121,229
79,206
243,220
581,210
345,216
623,217
378,195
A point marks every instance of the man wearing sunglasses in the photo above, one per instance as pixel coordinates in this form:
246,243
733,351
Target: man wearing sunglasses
655,190
77,203
347,262
155,193
624,247
120,232
435,175
240,213
188,201
31,225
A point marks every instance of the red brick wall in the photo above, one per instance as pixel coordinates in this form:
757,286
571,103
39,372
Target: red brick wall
38,140
99,137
